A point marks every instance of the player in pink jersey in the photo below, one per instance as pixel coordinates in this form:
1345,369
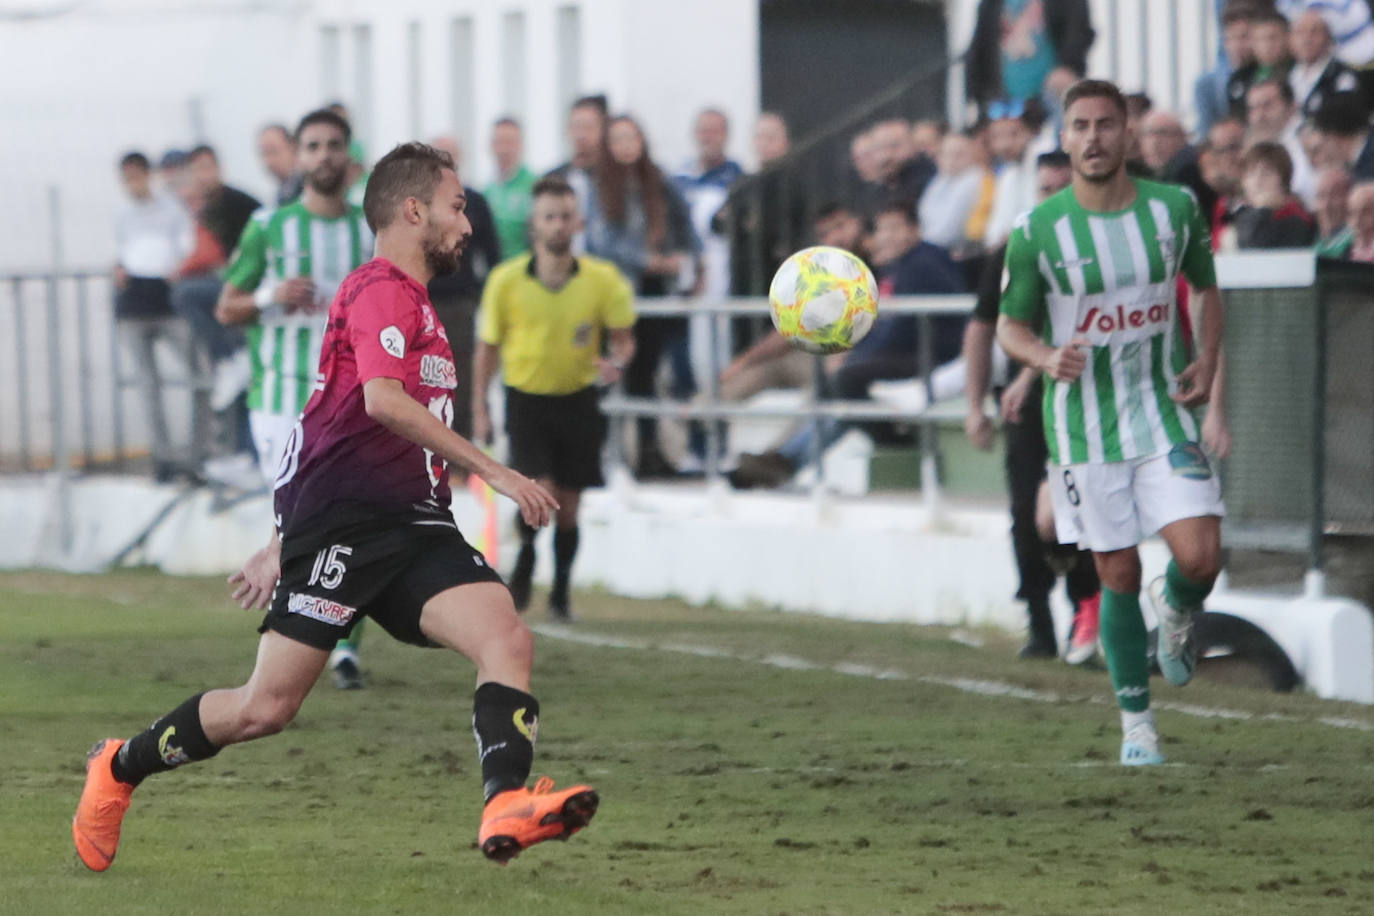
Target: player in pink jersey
364,529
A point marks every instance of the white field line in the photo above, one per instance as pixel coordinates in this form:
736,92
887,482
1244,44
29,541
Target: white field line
968,685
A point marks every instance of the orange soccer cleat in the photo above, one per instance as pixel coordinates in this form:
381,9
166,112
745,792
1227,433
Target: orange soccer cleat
516,819
99,814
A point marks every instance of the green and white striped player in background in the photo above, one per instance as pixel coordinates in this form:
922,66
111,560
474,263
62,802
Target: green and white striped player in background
279,285
1098,263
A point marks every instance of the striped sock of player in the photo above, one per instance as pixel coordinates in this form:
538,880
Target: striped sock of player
1122,630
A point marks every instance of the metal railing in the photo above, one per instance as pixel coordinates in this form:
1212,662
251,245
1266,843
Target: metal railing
67,396
708,406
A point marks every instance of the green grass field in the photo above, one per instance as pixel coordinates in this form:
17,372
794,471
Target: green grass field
740,772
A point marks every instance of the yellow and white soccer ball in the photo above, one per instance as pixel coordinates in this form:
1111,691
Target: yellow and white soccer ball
824,300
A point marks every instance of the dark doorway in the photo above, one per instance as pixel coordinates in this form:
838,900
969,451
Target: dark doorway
821,58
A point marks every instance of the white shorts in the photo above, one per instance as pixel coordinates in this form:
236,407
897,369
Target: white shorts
270,432
1105,507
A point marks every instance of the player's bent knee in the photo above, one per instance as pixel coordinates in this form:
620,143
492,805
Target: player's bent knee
1119,570
515,643
263,717
1201,566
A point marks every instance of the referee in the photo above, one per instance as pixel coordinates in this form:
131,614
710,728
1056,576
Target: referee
542,318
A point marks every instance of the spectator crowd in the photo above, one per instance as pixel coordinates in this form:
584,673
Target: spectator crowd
1276,149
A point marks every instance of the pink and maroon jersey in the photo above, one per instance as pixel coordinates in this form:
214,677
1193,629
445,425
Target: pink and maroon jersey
341,464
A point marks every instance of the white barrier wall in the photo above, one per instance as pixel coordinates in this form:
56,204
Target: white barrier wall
877,559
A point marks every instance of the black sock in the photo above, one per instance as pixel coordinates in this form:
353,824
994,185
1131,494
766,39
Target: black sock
505,722
565,541
1041,621
169,742
524,561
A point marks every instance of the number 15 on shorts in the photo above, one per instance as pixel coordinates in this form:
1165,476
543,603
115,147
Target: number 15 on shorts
329,566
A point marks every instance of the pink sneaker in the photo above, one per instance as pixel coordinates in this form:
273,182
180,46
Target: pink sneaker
1083,646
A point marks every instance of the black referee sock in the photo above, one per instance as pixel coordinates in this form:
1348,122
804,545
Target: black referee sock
524,561
565,541
505,722
169,742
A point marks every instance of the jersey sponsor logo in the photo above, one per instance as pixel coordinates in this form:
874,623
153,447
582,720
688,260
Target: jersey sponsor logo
438,372
1121,318
393,341
1073,263
321,609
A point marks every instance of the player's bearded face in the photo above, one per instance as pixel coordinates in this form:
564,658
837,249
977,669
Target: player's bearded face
327,178
443,247
1095,137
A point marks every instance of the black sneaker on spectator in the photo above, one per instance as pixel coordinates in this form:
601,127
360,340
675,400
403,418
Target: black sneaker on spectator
769,469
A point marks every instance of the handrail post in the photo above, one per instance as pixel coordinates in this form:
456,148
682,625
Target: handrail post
925,365
713,430
817,450
56,391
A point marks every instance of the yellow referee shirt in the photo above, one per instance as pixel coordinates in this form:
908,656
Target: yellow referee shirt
550,339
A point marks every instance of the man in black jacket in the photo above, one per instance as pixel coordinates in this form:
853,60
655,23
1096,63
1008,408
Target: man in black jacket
455,296
1028,48
223,215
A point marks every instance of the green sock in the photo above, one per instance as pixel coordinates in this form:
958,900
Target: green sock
1122,630
1182,593
354,639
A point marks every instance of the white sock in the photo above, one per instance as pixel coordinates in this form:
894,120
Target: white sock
1130,720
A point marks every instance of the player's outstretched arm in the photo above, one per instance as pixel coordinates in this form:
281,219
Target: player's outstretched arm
1195,382
622,350
386,402
237,306
1022,344
253,584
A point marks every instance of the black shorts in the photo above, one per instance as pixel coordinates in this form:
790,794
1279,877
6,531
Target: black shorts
557,437
385,572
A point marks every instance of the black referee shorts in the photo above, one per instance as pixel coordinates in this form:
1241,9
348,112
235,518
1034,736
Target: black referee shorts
386,574
557,436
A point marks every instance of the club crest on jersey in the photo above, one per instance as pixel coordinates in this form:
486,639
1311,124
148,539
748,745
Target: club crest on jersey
437,372
582,336
393,341
1168,246
1122,318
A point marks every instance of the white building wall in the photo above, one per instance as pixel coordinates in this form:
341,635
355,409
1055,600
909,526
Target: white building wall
656,60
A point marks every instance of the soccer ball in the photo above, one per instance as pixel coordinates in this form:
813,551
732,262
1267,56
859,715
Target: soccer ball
824,300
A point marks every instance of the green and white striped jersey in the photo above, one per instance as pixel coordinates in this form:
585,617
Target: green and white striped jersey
278,244
1111,278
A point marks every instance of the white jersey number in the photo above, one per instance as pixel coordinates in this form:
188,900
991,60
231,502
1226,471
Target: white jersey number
329,566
